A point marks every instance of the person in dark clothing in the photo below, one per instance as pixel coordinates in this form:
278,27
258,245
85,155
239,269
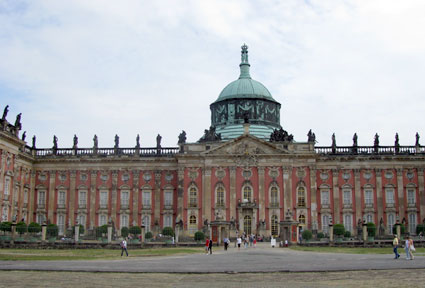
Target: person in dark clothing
210,244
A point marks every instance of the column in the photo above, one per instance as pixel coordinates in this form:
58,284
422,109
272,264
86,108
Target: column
31,197
13,195
157,210
357,197
135,201
379,204
93,179
313,189
51,204
336,203
72,192
400,192
233,205
206,194
421,193
261,196
114,198
287,188
180,193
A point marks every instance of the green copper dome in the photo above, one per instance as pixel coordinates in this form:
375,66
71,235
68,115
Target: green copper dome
245,101
245,86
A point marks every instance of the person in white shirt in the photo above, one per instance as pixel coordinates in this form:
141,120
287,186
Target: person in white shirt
124,247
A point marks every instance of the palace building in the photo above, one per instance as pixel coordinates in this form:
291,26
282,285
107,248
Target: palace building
245,174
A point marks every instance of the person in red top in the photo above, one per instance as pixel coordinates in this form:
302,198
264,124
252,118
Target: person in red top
207,244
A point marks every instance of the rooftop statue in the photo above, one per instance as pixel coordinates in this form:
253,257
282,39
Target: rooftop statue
24,135
376,140
355,140
95,141
55,142
311,137
5,111
33,141
210,135
182,137
158,141
75,141
333,140
281,136
417,139
18,124
138,141
117,141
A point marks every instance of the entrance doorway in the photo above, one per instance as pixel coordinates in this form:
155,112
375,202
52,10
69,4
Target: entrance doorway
247,220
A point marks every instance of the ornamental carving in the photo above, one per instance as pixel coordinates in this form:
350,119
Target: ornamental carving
193,173
220,173
274,173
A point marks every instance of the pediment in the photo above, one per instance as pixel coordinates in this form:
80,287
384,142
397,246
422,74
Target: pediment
246,145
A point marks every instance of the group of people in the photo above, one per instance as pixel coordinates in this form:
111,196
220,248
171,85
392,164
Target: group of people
408,247
208,246
250,240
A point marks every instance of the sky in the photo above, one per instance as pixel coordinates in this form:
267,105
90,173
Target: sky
147,67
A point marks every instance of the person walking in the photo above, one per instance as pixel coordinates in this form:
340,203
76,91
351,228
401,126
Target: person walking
124,247
239,241
210,244
406,248
395,246
207,245
411,248
226,243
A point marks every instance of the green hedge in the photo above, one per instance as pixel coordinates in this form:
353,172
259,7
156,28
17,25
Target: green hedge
339,229
6,226
402,229
320,235
135,230
52,230
420,228
124,231
307,235
148,235
371,229
34,227
21,227
168,231
199,236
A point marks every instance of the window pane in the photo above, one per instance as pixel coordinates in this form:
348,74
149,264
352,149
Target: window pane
325,197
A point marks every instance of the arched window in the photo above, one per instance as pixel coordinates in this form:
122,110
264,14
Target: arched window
274,225
220,196
301,196
193,197
247,224
412,224
274,196
369,218
301,219
193,227
247,194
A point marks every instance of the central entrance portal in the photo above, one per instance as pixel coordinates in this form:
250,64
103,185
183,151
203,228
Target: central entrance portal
247,225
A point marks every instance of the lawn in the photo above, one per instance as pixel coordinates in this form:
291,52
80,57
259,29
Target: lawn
356,250
89,254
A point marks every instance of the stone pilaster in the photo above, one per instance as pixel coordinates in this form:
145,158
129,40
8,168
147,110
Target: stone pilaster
261,195
157,211
51,204
12,190
313,206
180,193
72,184
357,197
93,190
114,196
206,194
336,217
287,188
400,192
31,197
233,205
134,204
379,198
421,193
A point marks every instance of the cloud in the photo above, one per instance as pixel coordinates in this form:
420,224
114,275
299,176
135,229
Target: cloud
149,67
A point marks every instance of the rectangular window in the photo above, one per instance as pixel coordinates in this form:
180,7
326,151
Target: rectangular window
82,198
124,220
146,221
368,196
146,197
82,220
61,197
391,222
124,198
61,224
25,196
412,224
40,218
347,197
389,194
348,223
168,201
103,199
324,196
369,218
325,224
167,221
41,197
6,187
411,196
102,220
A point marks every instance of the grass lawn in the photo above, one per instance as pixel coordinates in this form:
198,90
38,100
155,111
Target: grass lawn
356,250
89,254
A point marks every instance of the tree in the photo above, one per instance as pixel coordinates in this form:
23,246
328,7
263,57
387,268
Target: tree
148,235
21,227
307,235
168,231
135,230
52,230
371,229
199,236
6,226
339,230
34,227
124,232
